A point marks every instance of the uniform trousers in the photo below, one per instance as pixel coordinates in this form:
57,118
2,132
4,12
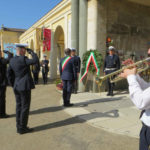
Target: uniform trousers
44,74
36,77
144,138
67,90
75,86
110,85
2,100
23,100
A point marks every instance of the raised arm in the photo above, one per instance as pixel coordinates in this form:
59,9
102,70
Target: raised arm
34,59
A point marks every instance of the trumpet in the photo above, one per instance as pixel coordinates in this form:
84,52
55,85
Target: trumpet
141,66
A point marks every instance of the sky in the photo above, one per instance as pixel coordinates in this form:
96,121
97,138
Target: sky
24,13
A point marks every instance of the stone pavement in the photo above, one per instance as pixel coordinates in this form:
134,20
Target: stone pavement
115,114
54,129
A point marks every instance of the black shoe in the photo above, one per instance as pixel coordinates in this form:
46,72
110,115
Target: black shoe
111,94
25,130
4,116
68,105
108,94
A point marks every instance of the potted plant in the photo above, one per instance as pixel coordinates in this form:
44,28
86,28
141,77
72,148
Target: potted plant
59,84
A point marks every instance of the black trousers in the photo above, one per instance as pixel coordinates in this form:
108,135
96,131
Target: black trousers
110,85
44,74
23,100
2,100
36,77
75,86
67,90
144,138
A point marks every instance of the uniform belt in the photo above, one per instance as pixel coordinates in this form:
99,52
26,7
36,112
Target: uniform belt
110,69
145,125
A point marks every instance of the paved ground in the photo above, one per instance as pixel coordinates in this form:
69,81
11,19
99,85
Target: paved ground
55,129
116,114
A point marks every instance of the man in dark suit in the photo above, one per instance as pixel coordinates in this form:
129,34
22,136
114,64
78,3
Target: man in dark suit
68,75
35,71
3,83
77,63
45,69
111,64
19,76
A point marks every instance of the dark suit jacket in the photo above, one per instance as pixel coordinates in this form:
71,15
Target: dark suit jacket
69,72
19,69
77,63
36,67
3,68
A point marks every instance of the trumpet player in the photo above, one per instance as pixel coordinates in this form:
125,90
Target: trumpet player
140,95
111,64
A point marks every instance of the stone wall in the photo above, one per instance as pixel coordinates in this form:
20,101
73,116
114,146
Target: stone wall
128,25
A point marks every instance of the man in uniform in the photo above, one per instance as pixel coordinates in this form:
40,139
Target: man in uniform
35,71
77,63
19,76
3,83
68,75
111,64
45,69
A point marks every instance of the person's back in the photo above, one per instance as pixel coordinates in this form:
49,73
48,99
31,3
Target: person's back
19,76
23,79
68,73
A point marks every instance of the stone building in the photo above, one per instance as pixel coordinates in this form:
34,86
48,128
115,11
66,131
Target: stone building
86,24
9,35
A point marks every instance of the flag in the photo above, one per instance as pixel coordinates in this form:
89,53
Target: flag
47,40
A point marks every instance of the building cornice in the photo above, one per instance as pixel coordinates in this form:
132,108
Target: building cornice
51,13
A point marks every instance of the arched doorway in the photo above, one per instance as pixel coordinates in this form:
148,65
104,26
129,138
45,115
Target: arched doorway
58,51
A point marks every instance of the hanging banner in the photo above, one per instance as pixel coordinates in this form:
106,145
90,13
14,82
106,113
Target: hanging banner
39,41
93,59
10,47
47,39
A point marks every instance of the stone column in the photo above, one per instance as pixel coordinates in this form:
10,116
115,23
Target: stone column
102,31
102,26
66,30
53,59
92,24
75,24
82,33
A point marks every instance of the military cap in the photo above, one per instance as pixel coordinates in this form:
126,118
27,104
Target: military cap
24,45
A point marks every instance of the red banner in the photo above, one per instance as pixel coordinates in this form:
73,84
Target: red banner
47,40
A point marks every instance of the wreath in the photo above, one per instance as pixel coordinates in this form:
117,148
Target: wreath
98,57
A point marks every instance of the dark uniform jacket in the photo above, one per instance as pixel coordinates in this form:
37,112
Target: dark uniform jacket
45,68
19,74
112,62
36,67
69,72
3,68
77,63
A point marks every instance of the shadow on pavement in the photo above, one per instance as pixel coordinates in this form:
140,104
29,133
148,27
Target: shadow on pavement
94,101
77,119
43,110
46,110
58,124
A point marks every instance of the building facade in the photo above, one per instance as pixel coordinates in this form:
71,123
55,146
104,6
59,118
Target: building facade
9,36
86,24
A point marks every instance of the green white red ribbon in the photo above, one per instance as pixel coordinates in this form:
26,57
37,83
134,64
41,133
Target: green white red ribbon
93,59
65,62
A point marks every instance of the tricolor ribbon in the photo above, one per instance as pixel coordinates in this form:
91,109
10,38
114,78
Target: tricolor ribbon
93,59
64,63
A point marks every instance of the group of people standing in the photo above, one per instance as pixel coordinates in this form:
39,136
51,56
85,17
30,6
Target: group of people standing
69,71
20,78
45,69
